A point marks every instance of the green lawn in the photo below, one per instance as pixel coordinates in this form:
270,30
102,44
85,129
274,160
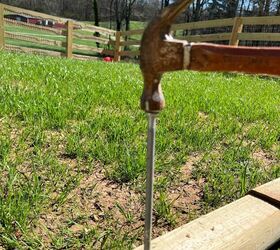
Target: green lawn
72,150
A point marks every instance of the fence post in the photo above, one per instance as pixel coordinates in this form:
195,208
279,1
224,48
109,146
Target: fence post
117,56
2,28
69,39
236,29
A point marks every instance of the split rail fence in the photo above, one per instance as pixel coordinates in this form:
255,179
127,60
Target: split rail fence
72,39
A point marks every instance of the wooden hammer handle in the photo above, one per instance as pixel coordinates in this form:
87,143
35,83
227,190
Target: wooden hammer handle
256,60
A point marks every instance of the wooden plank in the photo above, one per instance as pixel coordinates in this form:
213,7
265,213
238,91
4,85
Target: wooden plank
259,36
132,32
34,13
248,223
269,192
130,53
93,49
236,30
130,43
33,39
2,28
88,48
69,40
117,55
204,24
101,40
266,20
33,26
93,28
86,58
14,48
206,38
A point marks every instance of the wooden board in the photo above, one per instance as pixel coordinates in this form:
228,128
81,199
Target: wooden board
92,28
88,48
269,192
130,53
132,32
69,39
85,58
130,43
33,13
206,38
94,39
117,55
259,36
34,26
265,20
236,29
204,24
33,51
34,39
248,223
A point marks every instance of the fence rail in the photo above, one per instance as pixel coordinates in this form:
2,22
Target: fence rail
84,41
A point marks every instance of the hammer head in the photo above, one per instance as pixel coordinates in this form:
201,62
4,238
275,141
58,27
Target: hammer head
160,53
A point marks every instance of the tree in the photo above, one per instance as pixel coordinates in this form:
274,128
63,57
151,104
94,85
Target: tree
96,13
122,11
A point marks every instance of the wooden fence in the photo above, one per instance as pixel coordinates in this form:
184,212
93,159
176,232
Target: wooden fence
50,35
233,31
72,39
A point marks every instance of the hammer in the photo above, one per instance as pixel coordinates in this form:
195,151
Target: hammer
161,53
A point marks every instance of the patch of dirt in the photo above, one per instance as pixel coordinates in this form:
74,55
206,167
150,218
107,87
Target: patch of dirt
187,192
265,159
103,204
95,203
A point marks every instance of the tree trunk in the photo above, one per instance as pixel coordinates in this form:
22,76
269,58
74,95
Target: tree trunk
96,13
261,6
96,19
267,7
241,8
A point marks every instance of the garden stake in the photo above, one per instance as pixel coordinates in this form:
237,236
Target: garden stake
150,179
161,53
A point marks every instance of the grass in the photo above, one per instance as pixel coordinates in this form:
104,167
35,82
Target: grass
72,149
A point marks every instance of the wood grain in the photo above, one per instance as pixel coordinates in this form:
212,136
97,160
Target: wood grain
269,192
253,60
69,39
236,29
93,38
248,223
206,38
203,24
259,36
